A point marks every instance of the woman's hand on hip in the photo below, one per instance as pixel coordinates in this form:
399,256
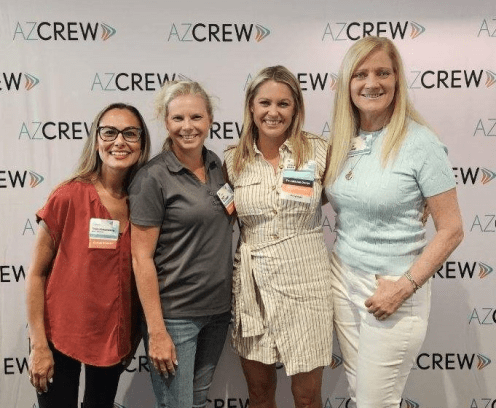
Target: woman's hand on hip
162,353
41,368
388,297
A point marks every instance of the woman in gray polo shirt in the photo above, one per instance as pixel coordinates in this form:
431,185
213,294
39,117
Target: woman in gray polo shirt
181,247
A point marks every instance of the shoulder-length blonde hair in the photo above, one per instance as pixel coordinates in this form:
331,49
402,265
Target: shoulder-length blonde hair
90,164
171,90
244,151
346,117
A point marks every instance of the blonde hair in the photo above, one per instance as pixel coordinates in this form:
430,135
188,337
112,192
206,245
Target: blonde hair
90,164
346,117
171,90
244,151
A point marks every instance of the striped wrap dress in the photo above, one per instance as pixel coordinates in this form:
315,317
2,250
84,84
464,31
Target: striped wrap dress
282,298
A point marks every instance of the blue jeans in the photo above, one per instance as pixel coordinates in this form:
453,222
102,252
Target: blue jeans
199,342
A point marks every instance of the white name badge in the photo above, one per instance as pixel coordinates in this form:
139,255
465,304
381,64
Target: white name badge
226,196
360,145
103,233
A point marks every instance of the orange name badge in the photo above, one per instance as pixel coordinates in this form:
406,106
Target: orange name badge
298,190
297,185
103,233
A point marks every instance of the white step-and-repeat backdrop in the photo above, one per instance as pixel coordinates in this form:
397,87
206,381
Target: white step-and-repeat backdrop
62,61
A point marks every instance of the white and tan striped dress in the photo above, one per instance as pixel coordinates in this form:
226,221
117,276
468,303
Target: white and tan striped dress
282,297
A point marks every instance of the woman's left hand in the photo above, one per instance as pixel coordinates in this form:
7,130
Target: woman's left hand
388,297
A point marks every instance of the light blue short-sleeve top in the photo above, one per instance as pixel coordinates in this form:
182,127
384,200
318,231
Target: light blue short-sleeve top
379,210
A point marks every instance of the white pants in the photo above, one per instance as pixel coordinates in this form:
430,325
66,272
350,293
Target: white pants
378,355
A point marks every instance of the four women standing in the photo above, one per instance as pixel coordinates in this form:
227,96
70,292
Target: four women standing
383,165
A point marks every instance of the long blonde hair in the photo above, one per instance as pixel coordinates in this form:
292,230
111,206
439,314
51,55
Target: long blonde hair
346,117
171,90
90,164
244,151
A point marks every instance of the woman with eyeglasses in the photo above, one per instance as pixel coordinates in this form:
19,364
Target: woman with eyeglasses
181,246
80,284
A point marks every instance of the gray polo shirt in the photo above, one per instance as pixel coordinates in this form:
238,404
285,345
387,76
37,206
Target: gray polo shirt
193,255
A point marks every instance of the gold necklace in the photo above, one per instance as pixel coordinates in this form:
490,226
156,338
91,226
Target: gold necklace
349,175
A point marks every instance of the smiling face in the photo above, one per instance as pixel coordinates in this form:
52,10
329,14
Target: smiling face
372,89
273,108
118,155
187,122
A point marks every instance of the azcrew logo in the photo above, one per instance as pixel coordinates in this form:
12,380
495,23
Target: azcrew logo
408,403
483,316
317,81
18,179
451,361
29,227
16,365
487,28
470,175
226,130
227,32
12,273
52,130
13,81
355,30
344,402
229,403
62,31
311,81
485,126
337,402
336,361
463,270
450,79
326,223
483,403
484,223
138,364
133,81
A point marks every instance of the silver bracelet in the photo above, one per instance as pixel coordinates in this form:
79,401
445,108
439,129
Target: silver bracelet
416,286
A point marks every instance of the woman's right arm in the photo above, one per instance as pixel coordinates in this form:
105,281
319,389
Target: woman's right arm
41,365
161,350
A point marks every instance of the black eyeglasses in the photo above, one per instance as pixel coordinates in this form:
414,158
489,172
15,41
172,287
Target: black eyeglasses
110,133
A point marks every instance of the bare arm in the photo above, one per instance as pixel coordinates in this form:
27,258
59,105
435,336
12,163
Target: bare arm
161,349
41,365
449,233
448,222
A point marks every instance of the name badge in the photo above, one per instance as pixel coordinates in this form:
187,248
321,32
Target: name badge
103,233
297,185
360,145
226,196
